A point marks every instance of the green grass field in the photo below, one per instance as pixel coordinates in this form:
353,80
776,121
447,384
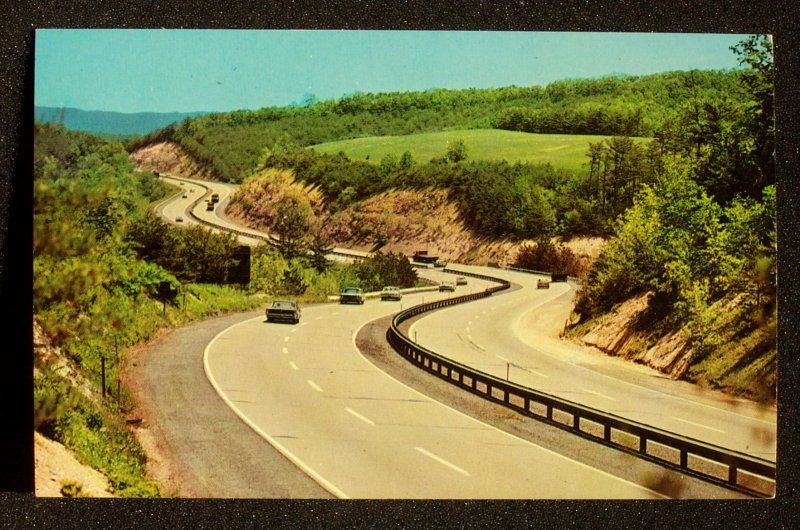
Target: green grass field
561,150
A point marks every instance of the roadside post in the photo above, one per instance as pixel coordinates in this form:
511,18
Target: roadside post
103,373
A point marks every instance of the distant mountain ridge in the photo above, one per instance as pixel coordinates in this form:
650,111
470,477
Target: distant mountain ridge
108,122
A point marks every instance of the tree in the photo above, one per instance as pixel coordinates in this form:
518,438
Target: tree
291,228
756,52
267,269
456,150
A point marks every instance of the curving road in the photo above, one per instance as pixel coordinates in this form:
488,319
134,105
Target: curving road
358,432
514,336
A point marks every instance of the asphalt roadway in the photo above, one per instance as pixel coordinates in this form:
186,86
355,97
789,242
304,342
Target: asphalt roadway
358,432
516,335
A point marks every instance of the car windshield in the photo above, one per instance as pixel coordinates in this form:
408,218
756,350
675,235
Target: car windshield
351,290
390,289
282,305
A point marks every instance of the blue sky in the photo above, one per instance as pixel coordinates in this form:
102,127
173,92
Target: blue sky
220,70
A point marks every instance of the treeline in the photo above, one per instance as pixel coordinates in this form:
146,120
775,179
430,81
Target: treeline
232,144
701,238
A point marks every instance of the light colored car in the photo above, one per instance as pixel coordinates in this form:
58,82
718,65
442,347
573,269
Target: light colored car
391,293
543,284
351,295
283,310
447,286
461,281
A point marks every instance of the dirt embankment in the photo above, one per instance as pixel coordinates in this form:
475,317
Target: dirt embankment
55,466
742,364
169,157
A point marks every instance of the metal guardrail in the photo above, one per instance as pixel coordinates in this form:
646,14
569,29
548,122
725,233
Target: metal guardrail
575,417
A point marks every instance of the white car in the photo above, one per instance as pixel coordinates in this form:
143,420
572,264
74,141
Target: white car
447,286
391,293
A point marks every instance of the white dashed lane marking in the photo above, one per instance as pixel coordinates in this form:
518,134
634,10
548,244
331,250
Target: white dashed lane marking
359,416
313,385
442,461
698,425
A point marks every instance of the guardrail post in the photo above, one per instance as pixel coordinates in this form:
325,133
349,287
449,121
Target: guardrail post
732,474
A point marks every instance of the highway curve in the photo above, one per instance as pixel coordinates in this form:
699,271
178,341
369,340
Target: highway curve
358,432
518,336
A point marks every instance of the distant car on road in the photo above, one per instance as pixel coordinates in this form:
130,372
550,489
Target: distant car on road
439,263
351,295
283,311
447,286
543,284
209,206
461,281
185,196
391,293
179,219
182,183
215,197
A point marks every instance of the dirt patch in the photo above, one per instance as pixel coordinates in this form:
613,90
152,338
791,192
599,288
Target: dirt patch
169,157
56,465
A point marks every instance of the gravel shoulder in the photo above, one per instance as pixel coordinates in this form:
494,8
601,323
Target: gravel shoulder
197,447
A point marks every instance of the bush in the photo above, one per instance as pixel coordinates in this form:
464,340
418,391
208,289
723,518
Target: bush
546,256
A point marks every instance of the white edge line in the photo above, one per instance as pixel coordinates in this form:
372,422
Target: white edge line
353,338
313,385
294,366
322,481
442,461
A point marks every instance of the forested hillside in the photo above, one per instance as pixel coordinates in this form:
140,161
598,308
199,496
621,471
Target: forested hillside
699,247
231,144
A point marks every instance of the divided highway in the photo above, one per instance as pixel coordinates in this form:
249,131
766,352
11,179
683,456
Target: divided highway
358,432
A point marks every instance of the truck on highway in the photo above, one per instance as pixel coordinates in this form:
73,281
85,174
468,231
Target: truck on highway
422,256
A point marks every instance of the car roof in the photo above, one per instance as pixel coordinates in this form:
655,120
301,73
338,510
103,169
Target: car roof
283,303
